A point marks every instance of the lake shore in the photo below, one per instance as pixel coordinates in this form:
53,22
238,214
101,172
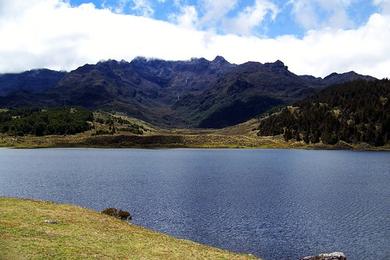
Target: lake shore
203,140
40,229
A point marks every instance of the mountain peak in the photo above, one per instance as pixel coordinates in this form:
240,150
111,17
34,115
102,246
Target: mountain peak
335,74
277,64
220,60
198,60
338,78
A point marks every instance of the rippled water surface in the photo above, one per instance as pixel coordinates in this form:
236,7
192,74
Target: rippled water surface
278,204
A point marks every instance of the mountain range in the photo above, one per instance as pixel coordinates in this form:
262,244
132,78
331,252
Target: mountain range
197,93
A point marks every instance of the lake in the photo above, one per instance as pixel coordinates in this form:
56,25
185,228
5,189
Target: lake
277,204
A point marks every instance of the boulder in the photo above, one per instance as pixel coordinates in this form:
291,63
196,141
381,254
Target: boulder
329,256
51,221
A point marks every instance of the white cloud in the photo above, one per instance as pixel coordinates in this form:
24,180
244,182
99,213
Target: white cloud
251,17
384,5
53,34
188,17
222,14
315,14
143,7
215,11
120,6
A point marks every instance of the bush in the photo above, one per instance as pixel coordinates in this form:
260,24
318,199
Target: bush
117,213
102,132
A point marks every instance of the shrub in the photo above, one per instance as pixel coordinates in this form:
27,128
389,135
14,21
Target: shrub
117,213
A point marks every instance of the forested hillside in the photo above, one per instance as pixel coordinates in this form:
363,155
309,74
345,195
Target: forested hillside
54,121
354,112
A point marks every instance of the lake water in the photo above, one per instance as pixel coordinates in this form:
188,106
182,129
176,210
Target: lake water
278,204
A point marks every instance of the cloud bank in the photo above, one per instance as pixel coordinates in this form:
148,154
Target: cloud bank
53,34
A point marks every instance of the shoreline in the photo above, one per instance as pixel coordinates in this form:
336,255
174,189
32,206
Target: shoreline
171,147
222,147
201,147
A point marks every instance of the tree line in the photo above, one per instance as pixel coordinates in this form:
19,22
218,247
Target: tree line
353,112
39,122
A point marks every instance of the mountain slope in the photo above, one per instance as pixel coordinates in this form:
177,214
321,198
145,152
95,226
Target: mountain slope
194,93
354,112
248,90
32,81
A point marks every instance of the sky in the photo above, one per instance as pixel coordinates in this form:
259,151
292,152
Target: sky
315,37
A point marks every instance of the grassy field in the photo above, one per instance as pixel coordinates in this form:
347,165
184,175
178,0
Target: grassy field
239,136
84,234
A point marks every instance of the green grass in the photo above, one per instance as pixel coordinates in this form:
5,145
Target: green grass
84,234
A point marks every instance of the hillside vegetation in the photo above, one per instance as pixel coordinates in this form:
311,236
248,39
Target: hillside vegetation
44,230
119,131
40,122
353,115
354,112
113,130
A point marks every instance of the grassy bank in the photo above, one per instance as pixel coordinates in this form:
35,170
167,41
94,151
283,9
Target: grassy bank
83,233
171,140
239,136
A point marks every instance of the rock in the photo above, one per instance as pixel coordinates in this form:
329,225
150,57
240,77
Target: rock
51,221
117,213
330,256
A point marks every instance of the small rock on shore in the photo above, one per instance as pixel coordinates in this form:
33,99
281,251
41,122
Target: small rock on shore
330,256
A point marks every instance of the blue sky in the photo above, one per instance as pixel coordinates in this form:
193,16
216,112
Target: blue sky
285,22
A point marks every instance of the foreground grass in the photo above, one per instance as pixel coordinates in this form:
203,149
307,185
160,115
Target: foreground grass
82,233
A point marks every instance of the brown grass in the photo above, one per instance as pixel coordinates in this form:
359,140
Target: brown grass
239,136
